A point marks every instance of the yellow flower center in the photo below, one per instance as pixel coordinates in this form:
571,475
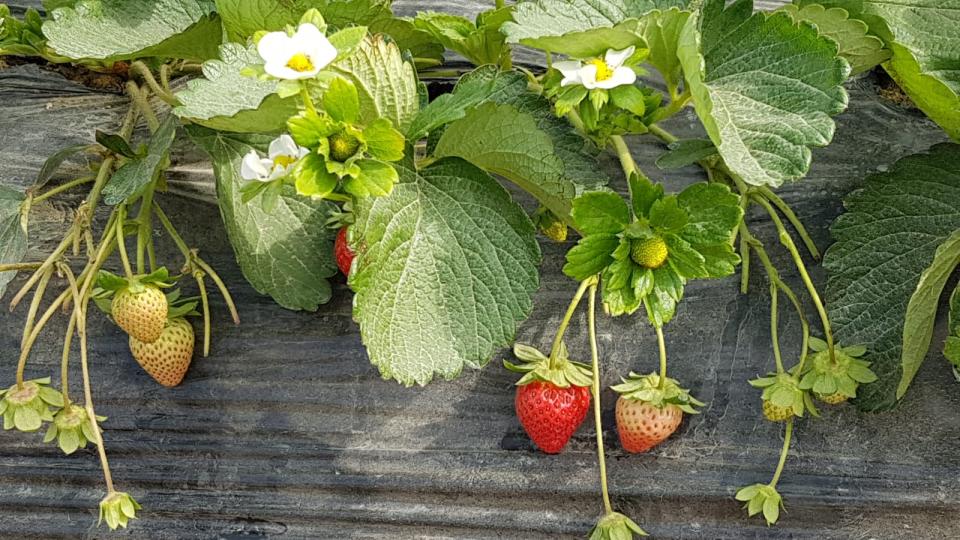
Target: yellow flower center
283,161
300,63
603,70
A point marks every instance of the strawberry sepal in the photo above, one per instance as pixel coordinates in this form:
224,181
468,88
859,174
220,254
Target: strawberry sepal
646,389
535,366
615,526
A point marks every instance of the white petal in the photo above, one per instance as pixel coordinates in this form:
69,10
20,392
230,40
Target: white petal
301,151
280,70
615,59
306,36
567,67
588,76
621,76
253,167
283,146
321,52
276,47
277,172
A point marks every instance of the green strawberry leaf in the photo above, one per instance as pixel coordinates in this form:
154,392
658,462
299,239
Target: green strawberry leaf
886,271
536,150
951,349
226,100
385,81
477,87
508,142
286,253
448,270
926,53
862,50
686,152
481,42
762,111
581,28
421,45
52,163
130,179
243,18
600,212
126,29
661,31
13,232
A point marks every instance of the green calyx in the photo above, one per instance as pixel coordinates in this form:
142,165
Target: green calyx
117,509
615,526
647,250
344,155
26,408
560,371
649,253
782,392
72,429
647,389
761,498
834,379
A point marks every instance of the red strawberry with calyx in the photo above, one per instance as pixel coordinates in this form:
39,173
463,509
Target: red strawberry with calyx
342,252
553,396
648,412
167,358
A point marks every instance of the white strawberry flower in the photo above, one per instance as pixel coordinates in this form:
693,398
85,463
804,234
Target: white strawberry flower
283,155
605,73
300,56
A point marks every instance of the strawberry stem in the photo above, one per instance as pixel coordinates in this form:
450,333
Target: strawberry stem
307,100
65,359
144,72
80,299
787,242
121,241
558,339
144,229
774,332
595,390
783,454
138,95
32,315
63,187
198,275
792,218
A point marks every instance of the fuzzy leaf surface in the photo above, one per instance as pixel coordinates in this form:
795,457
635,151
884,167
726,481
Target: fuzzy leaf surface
924,38
226,100
447,271
135,174
862,50
387,83
13,235
581,28
764,88
125,29
286,253
566,164
889,236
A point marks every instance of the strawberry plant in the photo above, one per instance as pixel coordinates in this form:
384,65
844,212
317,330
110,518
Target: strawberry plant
329,153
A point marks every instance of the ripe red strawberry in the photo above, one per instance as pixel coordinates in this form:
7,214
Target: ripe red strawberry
168,358
342,252
642,425
550,414
140,311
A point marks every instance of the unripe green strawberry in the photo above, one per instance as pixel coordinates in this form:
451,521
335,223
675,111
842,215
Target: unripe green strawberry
140,311
776,413
168,358
649,252
833,399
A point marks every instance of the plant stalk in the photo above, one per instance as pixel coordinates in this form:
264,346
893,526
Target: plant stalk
783,454
558,339
595,389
